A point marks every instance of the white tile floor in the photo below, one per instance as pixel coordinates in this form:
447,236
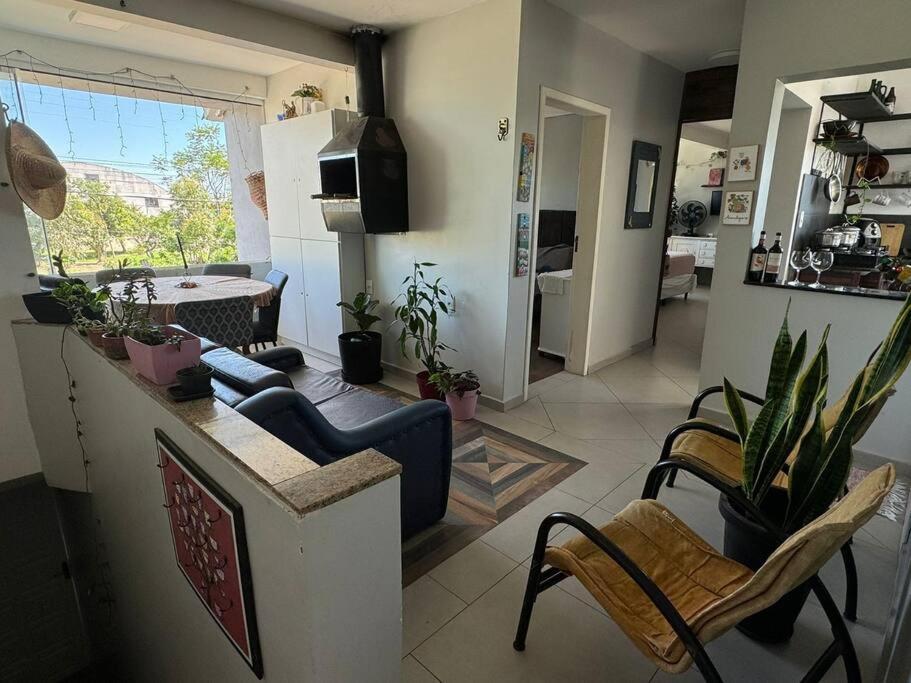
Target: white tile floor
460,619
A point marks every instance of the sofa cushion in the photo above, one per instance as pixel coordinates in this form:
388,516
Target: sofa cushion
227,394
284,358
355,407
318,387
244,375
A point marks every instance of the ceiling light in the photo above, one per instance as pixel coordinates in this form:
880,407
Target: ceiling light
101,21
725,55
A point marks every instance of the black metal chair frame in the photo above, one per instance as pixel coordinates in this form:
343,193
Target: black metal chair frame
666,469
539,581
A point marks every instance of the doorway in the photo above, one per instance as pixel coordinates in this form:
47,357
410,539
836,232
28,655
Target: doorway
572,145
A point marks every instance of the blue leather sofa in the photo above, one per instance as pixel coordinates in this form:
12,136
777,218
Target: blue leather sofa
327,419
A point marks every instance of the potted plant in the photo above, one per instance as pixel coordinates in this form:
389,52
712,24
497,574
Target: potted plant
86,308
461,390
361,351
158,352
789,432
126,313
423,301
309,94
195,380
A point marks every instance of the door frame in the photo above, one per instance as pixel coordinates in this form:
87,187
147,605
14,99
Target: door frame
589,211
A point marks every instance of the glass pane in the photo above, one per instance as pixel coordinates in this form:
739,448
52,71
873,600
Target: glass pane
645,178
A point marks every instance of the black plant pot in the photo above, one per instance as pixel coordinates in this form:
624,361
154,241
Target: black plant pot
360,353
44,308
195,380
750,544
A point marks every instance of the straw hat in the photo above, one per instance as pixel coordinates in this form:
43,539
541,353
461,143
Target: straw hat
38,177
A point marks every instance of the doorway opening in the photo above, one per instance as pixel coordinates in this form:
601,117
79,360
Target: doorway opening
572,144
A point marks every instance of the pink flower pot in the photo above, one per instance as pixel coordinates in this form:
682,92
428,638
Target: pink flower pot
161,363
463,408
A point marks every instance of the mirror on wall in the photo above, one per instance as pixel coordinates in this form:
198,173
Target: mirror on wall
643,183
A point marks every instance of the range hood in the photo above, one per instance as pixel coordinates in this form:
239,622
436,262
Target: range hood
363,169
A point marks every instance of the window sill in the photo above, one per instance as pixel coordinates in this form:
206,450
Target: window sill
836,289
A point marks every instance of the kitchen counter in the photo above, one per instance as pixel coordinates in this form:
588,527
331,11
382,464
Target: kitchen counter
836,289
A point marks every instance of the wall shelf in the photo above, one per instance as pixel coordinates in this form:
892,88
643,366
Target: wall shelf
860,106
882,186
850,146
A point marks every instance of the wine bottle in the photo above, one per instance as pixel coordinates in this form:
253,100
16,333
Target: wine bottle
757,260
890,100
773,261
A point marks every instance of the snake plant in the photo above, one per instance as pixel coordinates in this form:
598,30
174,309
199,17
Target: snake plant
790,433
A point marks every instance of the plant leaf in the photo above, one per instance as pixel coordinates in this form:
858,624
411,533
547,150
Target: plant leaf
757,443
736,410
781,355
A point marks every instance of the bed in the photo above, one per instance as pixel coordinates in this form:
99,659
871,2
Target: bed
679,274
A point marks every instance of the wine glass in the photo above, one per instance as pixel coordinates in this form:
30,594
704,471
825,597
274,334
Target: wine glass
800,260
821,261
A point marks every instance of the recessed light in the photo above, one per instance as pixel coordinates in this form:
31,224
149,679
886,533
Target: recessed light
101,21
725,55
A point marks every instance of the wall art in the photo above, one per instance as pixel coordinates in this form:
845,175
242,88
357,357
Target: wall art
210,545
738,207
526,167
742,163
523,240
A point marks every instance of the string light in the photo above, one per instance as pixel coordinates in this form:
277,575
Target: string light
123,145
164,131
88,85
31,62
66,116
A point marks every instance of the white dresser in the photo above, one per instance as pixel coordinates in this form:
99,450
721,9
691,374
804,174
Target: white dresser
703,248
323,267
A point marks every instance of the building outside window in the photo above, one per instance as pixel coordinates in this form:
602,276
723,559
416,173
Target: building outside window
142,166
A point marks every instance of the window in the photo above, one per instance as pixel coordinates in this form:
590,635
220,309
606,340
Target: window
143,166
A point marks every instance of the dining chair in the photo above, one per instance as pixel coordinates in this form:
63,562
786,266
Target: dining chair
265,325
233,269
672,593
228,322
108,275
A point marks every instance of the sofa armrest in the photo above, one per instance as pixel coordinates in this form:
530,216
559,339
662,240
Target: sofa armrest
282,358
245,375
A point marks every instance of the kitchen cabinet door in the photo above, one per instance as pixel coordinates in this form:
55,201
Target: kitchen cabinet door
310,134
323,286
286,257
282,172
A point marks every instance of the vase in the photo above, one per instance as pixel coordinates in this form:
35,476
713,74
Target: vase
748,542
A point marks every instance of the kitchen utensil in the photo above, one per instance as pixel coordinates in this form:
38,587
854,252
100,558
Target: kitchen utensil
892,234
830,238
800,260
832,188
852,199
835,128
882,199
872,168
872,234
850,236
905,198
822,260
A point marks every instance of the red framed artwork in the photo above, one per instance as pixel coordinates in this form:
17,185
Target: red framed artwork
210,545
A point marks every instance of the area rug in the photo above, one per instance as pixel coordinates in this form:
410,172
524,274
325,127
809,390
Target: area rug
494,475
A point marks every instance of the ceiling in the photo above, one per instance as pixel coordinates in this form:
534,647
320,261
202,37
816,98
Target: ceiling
682,33
33,16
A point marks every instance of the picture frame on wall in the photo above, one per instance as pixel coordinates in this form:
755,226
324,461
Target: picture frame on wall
523,239
738,207
210,547
526,168
742,162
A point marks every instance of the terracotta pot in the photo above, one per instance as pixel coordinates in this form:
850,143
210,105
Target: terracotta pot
748,542
95,336
464,407
426,389
161,363
114,347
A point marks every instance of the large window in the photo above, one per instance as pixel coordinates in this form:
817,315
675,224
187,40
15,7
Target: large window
142,165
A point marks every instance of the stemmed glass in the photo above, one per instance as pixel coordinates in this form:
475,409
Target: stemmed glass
821,261
800,260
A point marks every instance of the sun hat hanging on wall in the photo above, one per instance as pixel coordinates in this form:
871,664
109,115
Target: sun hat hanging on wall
37,176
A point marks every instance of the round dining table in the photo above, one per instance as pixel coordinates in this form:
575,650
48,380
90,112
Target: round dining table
209,288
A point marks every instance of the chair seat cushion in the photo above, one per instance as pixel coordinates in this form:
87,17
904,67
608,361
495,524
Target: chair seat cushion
317,386
694,576
353,408
716,455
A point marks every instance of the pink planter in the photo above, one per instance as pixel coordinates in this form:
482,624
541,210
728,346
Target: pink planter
161,363
463,408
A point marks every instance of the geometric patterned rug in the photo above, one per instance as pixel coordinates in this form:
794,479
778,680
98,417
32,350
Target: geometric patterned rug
494,475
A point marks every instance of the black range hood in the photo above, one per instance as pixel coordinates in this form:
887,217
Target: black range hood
363,169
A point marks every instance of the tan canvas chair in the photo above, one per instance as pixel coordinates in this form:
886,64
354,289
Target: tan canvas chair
671,592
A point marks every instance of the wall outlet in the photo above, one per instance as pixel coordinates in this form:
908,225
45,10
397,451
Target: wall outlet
369,288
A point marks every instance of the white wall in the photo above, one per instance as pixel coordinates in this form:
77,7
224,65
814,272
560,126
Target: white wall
334,83
560,164
643,94
245,155
18,453
693,165
448,80
743,320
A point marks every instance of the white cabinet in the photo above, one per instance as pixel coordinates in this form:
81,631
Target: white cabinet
323,267
703,248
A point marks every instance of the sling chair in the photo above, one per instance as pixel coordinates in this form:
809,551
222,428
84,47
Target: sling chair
671,593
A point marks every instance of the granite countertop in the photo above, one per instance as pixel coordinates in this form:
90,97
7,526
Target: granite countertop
296,482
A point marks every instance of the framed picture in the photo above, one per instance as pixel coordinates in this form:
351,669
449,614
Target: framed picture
738,207
742,163
716,177
523,237
526,167
210,546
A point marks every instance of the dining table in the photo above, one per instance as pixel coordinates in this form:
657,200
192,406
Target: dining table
169,293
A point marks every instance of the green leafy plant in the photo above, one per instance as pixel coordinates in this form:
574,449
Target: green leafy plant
130,311
57,262
789,430
87,308
308,90
423,301
718,154
459,383
150,334
360,309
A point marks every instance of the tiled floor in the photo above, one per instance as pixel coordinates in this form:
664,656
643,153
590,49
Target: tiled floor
460,618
